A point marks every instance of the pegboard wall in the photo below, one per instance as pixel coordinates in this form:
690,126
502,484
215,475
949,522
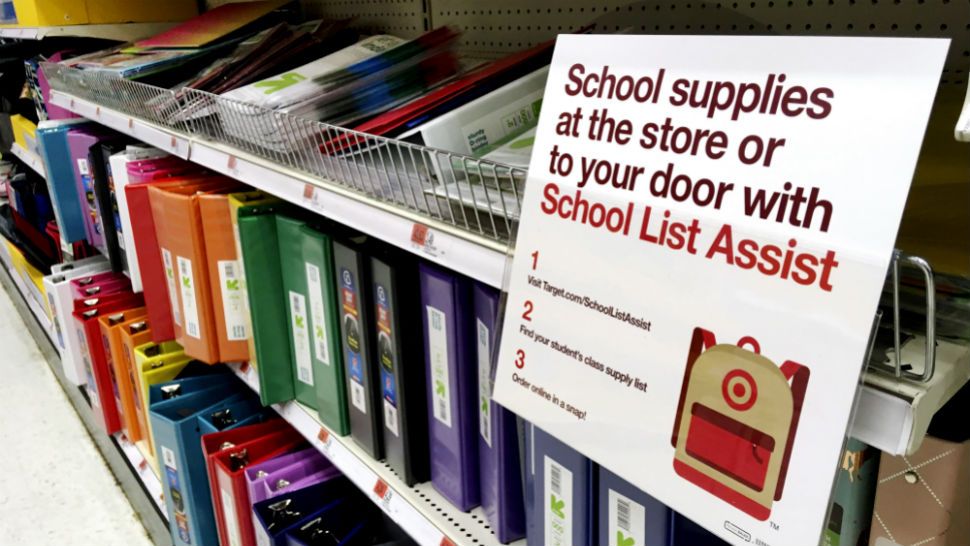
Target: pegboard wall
496,26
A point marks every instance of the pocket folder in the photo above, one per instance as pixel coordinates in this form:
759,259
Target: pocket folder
352,270
175,407
232,494
225,282
264,288
452,396
498,439
397,329
95,360
296,301
626,513
273,518
328,362
123,390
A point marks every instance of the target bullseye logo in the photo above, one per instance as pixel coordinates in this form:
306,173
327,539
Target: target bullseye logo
739,390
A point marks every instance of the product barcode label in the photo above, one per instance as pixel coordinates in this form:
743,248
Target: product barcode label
484,387
558,519
168,458
357,396
82,166
390,418
321,344
301,338
233,296
627,520
173,298
189,306
440,374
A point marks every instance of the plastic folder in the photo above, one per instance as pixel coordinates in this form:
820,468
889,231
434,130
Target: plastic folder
79,143
498,440
264,287
95,360
626,513
232,494
397,327
352,270
175,407
273,518
562,493
297,304
328,362
225,278
60,303
178,226
122,389
54,148
449,354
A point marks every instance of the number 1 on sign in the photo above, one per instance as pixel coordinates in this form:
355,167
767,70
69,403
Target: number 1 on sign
535,260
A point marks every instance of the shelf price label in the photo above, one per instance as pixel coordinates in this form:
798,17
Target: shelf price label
445,541
426,241
313,198
384,493
325,440
704,238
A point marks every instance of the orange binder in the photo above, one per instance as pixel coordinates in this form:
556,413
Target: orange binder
225,278
111,326
132,334
178,226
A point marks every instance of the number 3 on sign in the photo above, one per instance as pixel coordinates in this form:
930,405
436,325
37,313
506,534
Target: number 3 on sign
520,359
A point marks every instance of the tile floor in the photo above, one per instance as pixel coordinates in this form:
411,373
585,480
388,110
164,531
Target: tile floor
55,488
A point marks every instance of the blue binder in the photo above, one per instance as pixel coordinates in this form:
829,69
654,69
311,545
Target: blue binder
273,518
247,411
498,439
685,532
177,435
60,180
449,353
626,513
562,492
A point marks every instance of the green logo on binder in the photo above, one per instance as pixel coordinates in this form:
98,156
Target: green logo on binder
439,387
558,507
185,282
624,540
232,284
299,322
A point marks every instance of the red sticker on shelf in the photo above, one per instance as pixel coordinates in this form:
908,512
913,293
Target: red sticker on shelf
380,488
445,541
323,435
308,191
419,234
244,367
231,163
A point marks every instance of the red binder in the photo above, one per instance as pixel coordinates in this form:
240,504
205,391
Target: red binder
86,318
236,523
219,441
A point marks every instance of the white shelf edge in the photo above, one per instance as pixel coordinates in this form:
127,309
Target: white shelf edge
35,307
420,511
115,31
481,260
31,159
143,471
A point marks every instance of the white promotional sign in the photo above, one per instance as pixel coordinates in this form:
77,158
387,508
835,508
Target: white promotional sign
705,232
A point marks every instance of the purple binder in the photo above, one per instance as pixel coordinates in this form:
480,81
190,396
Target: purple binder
449,354
79,142
498,441
628,514
293,478
258,473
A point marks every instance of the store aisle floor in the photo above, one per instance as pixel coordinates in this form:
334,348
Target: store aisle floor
55,488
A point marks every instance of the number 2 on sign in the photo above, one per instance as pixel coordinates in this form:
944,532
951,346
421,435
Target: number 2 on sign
527,314
520,359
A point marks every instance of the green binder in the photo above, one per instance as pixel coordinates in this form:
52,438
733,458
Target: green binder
297,303
264,286
325,323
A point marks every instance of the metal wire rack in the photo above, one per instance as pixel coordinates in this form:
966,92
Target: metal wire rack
474,196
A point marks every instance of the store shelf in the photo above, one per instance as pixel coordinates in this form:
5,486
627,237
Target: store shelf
36,308
138,463
142,491
123,32
420,511
478,258
30,158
